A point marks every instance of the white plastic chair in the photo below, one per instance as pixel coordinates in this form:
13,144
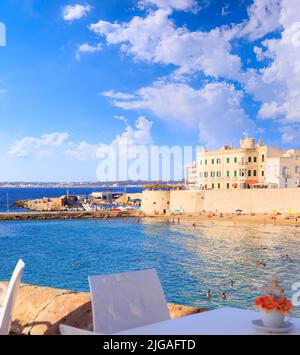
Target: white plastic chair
126,301
10,298
67,330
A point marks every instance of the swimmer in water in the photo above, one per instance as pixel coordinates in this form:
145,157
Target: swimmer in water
224,296
208,294
231,283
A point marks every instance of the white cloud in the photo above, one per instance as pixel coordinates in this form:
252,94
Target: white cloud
87,48
215,105
3,91
111,94
183,5
277,85
41,146
75,12
263,18
290,134
139,135
225,11
82,151
156,39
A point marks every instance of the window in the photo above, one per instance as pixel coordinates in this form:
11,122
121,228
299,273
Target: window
213,161
212,186
235,173
205,161
262,173
219,174
235,160
206,174
255,159
218,161
254,173
249,172
219,186
249,159
212,174
242,172
228,160
228,185
263,158
228,174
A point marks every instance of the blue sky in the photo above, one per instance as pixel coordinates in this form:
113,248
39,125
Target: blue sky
76,75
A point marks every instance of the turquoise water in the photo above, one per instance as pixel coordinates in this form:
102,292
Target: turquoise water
189,260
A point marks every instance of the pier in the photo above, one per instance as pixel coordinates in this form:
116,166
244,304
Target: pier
26,216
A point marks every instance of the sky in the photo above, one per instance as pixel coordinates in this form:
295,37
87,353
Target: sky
77,76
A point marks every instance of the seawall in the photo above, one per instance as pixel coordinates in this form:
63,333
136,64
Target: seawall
225,201
254,200
40,310
27,216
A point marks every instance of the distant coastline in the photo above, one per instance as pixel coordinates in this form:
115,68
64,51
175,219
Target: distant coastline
84,184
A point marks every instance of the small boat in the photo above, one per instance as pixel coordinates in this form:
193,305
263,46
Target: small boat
116,210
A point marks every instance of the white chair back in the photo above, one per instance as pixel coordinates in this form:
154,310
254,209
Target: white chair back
67,330
126,301
10,298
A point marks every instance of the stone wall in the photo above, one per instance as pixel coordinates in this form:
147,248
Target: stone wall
156,202
252,200
40,310
227,201
187,201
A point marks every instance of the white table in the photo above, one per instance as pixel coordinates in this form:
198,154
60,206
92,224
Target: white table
223,321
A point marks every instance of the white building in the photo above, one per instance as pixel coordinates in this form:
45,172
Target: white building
284,171
249,166
191,175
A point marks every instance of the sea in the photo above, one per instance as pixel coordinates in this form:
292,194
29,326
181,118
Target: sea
217,257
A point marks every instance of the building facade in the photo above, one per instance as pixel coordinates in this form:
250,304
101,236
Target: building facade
191,174
284,172
249,166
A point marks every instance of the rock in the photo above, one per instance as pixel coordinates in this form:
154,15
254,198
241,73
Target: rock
40,310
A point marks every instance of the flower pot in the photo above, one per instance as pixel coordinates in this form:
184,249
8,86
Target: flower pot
272,319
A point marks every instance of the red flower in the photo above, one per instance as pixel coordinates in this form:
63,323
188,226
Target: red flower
268,303
284,306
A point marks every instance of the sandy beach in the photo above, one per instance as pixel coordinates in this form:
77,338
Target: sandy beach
279,219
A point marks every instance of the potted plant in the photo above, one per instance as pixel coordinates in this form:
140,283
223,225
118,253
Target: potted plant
274,307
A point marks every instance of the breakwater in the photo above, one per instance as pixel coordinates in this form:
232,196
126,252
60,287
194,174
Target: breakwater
27,216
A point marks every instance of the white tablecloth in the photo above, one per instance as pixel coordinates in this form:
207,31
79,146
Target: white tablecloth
223,321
